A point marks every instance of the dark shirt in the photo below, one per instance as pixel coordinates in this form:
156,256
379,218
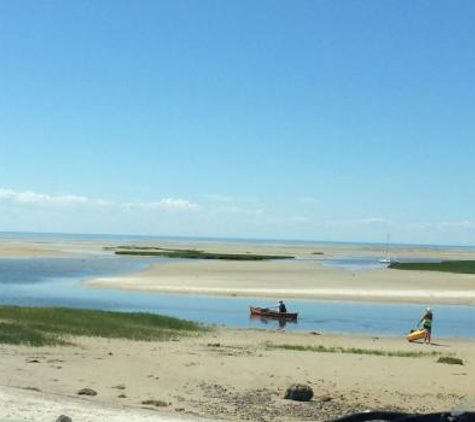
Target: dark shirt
282,308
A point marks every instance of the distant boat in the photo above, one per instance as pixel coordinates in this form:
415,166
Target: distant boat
266,312
386,259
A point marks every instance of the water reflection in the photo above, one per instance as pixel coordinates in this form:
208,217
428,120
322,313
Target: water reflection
269,322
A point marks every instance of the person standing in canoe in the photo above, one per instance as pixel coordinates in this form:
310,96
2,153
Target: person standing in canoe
426,322
281,306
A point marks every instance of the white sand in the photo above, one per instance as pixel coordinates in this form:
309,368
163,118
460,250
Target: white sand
19,405
297,279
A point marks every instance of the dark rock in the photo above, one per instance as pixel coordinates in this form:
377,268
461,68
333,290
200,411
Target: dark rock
32,388
87,392
299,392
64,418
157,403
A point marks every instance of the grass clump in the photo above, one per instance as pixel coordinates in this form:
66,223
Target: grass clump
42,326
13,333
352,350
450,360
460,267
196,254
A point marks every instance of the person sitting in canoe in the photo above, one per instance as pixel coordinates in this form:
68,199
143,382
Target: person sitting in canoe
281,307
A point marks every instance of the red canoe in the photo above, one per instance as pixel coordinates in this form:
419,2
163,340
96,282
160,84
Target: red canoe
266,312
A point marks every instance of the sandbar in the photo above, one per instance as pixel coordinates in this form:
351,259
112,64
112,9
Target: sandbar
305,277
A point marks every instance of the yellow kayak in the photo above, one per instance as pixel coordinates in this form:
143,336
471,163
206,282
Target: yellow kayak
416,334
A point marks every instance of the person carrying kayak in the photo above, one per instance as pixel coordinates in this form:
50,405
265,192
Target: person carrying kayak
426,322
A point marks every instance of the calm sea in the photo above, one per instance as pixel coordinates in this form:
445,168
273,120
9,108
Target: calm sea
54,237
57,282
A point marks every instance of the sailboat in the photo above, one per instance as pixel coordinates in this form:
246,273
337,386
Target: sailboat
386,259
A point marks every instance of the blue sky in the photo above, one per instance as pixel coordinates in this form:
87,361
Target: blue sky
314,120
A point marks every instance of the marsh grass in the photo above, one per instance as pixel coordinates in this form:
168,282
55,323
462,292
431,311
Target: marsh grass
460,267
196,254
352,350
450,360
41,326
12,333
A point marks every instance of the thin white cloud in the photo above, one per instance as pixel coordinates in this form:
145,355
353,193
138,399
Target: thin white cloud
34,199
443,225
165,204
371,221
312,222
450,225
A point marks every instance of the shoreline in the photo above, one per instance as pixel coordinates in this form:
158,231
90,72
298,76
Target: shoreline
234,375
455,297
295,280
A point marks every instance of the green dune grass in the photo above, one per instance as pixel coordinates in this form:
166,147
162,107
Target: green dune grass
461,267
39,326
352,350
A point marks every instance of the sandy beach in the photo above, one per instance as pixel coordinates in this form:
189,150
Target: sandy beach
233,374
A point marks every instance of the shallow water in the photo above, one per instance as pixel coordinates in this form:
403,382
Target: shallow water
355,263
368,262
57,282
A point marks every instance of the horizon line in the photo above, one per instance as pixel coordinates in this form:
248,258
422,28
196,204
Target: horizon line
229,238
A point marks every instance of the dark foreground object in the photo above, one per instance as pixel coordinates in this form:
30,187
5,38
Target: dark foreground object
408,417
299,392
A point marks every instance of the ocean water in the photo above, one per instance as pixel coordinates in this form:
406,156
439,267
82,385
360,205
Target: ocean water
355,263
367,262
57,282
49,238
